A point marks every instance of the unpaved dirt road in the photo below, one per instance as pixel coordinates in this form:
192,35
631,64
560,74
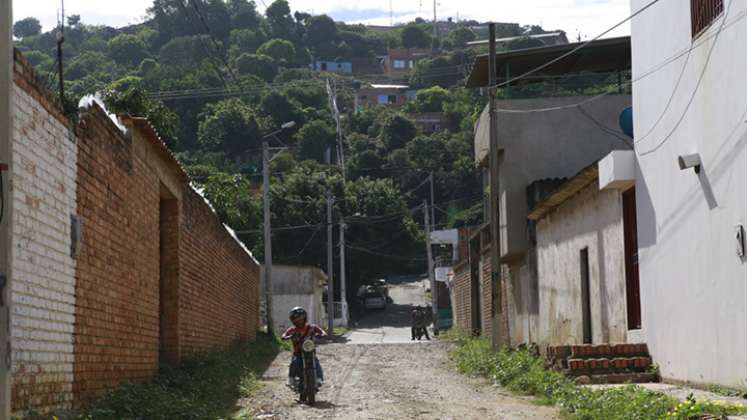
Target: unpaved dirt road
380,374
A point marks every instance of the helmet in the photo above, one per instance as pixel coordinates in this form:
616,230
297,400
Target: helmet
297,313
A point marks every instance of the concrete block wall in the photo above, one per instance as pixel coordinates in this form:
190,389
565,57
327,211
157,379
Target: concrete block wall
43,198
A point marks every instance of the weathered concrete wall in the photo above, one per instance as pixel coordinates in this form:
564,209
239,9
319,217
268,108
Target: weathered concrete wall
462,293
591,219
43,198
297,286
545,145
693,284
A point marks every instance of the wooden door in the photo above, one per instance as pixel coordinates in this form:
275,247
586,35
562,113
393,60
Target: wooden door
632,281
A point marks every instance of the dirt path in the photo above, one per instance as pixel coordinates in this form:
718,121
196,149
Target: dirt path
390,381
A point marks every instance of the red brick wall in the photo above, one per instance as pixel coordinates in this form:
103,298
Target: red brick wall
463,297
487,295
117,276
158,274
219,282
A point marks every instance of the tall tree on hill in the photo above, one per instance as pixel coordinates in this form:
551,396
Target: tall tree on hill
415,37
321,34
281,50
244,14
231,126
280,19
27,27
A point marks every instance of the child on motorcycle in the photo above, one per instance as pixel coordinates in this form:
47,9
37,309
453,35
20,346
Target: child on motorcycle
300,330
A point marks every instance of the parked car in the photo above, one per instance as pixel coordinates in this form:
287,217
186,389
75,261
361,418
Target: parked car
373,299
382,286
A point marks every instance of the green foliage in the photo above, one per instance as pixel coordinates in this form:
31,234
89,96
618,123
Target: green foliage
27,27
280,108
246,41
282,51
459,37
203,387
396,131
128,50
321,33
280,20
39,59
414,36
521,372
243,14
185,51
257,64
90,63
128,96
429,100
229,125
314,138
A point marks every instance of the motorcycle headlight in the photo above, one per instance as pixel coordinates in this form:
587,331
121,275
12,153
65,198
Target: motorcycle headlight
308,346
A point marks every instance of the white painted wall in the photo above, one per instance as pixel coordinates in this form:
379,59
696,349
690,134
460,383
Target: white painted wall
693,285
591,219
44,191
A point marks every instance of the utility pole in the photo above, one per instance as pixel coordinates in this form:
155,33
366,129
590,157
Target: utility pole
433,204
343,296
330,268
431,274
500,336
267,237
6,214
266,160
435,25
60,41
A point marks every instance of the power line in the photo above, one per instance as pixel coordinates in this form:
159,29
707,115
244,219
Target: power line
379,254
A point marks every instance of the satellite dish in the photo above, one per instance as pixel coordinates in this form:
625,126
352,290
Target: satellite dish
626,121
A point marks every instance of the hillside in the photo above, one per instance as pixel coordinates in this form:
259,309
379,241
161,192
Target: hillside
216,77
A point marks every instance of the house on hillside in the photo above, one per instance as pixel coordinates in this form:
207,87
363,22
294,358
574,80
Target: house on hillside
429,122
120,265
543,139
399,62
338,67
392,96
690,136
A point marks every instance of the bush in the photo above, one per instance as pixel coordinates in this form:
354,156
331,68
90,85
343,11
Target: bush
524,373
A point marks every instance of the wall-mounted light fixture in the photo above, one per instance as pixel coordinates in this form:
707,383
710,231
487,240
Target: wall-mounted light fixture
739,236
690,161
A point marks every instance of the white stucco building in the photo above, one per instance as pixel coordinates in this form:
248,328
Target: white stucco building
689,99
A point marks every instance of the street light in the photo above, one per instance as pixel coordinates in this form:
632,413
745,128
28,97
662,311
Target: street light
266,159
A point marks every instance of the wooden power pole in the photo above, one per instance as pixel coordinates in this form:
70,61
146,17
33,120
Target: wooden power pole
500,335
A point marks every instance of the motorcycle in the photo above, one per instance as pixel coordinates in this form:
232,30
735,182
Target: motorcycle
306,385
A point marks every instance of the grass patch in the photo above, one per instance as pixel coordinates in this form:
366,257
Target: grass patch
340,331
523,373
203,387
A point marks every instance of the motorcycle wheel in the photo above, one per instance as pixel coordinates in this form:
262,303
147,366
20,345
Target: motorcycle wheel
309,388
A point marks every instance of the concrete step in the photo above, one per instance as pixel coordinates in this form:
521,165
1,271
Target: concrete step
617,378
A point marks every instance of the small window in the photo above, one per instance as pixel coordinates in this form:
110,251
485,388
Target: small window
392,99
383,100
412,63
324,66
400,64
703,13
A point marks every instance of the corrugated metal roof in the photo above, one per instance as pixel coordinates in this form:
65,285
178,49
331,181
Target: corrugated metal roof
603,55
574,185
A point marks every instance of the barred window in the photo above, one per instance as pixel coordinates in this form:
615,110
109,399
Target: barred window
703,13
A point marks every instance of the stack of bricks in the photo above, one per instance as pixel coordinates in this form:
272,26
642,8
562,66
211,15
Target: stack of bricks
603,363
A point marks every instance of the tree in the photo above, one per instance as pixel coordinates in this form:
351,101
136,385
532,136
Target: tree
321,33
432,72
128,50
523,43
282,51
397,131
430,100
128,96
280,108
257,64
461,36
229,125
27,27
89,63
427,152
246,41
280,19
243,14
415,37
185,51
73,21
314,139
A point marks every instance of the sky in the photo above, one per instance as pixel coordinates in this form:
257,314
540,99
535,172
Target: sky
585,17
